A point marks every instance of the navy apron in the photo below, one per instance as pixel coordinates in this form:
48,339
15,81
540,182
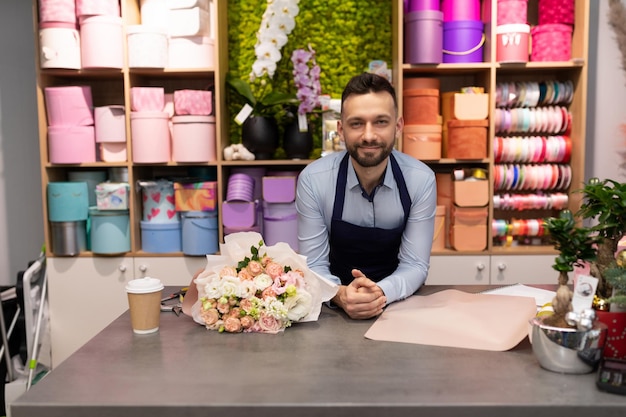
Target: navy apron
371,249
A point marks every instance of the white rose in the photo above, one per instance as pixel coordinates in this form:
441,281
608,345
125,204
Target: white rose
262,281
247,289
299,305
229,286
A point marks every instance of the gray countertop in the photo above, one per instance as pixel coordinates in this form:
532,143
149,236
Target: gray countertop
323,368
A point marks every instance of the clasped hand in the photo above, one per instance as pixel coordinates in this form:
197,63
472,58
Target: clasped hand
362,298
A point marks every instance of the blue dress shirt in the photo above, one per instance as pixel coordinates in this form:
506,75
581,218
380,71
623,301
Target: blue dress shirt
314,202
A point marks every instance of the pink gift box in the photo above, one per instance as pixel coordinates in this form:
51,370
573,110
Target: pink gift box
279,189
71,144
147,98
110,124
193,102
97,7
69,106
57,11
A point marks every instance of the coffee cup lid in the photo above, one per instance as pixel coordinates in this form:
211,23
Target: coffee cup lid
144,285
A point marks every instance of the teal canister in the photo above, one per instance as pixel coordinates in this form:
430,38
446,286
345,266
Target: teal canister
68,201
109,231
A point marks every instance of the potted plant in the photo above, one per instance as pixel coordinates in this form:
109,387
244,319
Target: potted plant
575,245
259,130
604,202
263,104
559,345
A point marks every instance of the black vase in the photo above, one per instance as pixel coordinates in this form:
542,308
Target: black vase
260,136
297,144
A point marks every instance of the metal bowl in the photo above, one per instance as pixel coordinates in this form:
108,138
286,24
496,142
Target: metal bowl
568,351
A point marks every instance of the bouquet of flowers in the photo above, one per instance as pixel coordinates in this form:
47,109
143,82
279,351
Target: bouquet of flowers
256,288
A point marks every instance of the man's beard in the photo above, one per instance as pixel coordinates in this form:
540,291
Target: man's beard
369,159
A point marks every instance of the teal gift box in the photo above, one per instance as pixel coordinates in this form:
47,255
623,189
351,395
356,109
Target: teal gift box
68,201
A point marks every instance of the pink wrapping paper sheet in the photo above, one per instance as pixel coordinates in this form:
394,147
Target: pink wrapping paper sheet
455,318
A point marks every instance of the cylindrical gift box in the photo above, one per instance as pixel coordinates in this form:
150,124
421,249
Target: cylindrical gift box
556,11
67,201
59,44
102,42
193,139
150,134
512,11
147,47
92,178
512,43
57,11
110,124
191,52
423,37
97,7
110,231
551,42
71,144
463,41
422,141
199,232
69,106
460,10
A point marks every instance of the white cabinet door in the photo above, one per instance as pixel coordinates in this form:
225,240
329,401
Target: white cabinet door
170,270
84,296
525,269
458,270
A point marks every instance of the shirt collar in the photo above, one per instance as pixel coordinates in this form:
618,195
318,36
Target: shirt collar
352,180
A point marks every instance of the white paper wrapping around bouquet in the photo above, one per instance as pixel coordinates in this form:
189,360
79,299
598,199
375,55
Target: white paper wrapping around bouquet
456,319
237,247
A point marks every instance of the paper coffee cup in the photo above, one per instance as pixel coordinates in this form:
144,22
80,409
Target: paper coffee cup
144,301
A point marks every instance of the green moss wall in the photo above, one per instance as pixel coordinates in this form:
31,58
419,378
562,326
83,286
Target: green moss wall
346,35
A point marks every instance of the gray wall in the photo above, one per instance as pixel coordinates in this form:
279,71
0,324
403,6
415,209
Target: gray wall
606,107
21,221
21,225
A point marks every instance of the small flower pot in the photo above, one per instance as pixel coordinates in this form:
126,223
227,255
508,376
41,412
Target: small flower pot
567,350
297,144
260,136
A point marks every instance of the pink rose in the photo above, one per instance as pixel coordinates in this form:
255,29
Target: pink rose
228,271
234,312
274,270
210,316
268,292
269,324
247,322
246,305
223,307
265,260
254,268
245,275
232,325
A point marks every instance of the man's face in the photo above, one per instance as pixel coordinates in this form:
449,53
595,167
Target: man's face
368,126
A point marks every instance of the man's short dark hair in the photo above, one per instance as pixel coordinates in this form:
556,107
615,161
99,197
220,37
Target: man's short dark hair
368,83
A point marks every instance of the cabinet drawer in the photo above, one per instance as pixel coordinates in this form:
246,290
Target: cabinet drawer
525,269
170,270
458,270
